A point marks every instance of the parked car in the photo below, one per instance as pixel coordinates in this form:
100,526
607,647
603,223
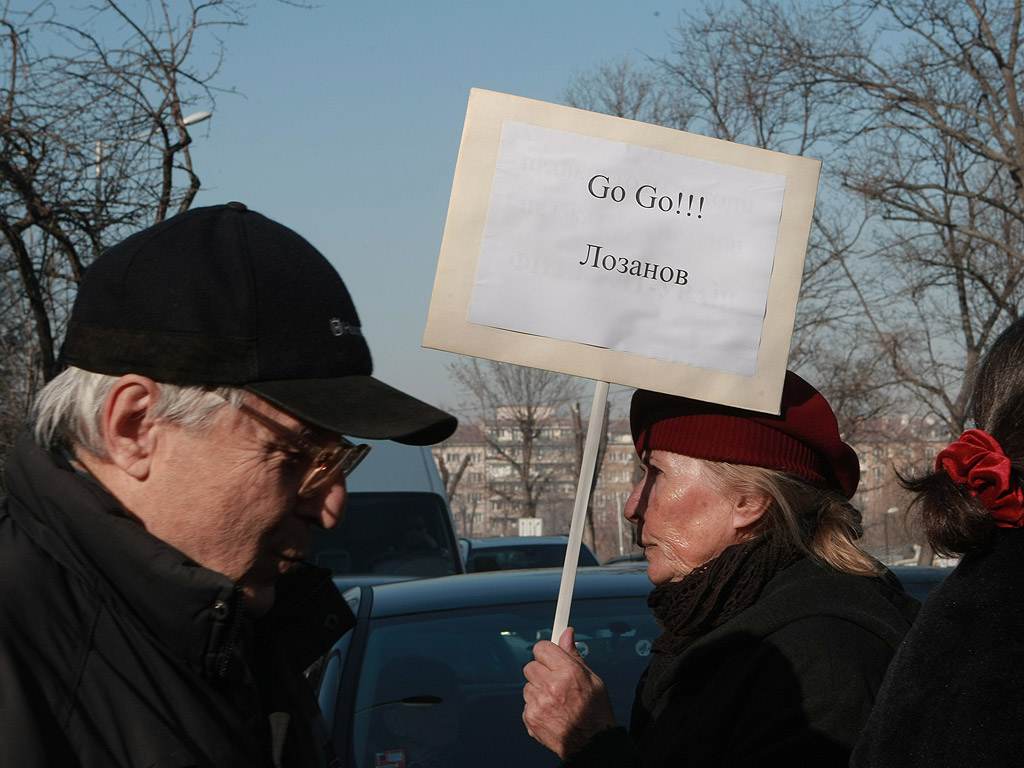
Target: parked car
920,580
444,658
917,580
397,522
632,557
505,553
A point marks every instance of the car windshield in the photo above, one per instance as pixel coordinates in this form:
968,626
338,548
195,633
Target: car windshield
403,534
447,690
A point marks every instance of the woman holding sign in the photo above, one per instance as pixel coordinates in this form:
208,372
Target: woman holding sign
955,692
777,628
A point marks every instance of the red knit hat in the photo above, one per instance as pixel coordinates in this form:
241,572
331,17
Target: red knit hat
803,440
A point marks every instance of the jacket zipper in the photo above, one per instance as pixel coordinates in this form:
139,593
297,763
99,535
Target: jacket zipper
233,632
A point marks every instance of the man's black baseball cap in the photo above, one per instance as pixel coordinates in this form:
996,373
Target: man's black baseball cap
224,296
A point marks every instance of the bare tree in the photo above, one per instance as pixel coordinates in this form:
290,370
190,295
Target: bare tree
625,89
94,144
580,434
451,476
522,412
914,257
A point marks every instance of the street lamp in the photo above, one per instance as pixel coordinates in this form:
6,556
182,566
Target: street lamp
195,117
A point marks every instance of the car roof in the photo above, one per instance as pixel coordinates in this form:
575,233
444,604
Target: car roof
516,541
921,572
471,590
396,467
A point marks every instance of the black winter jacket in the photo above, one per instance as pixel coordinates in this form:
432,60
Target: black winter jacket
117,650
789,681
954,694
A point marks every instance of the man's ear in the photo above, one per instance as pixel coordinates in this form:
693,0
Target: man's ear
127,424
749,509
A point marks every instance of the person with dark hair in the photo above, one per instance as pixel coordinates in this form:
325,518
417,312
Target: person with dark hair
155,606
954,694
776,628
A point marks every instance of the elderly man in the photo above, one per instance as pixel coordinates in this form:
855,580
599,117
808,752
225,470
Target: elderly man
154,606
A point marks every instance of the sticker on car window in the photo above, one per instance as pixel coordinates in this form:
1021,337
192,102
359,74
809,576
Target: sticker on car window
390,758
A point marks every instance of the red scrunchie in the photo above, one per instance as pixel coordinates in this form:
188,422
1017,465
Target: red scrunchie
977,461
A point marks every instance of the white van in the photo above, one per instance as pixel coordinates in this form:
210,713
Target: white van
397,523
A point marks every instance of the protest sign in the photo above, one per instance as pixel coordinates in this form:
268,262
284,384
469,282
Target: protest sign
622,252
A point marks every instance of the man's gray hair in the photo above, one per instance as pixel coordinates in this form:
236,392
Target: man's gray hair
69,409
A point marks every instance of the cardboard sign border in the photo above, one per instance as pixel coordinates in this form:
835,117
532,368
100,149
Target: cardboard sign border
447,328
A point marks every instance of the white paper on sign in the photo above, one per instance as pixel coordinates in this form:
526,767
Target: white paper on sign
628,248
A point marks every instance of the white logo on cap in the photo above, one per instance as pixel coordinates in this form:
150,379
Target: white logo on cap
340,328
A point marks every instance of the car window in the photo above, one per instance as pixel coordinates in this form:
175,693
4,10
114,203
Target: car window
517,556
919,581
458,677
403,534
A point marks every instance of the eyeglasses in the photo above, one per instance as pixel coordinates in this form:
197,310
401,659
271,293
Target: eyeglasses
339,459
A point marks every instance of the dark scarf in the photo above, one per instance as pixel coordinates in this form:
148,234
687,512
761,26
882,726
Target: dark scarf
711,595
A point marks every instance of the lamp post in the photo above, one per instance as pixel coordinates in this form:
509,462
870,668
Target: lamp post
618,517
195,117
888,513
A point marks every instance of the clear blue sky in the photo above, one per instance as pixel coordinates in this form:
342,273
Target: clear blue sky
349,124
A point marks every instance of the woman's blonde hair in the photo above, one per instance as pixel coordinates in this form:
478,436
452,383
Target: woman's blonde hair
818,522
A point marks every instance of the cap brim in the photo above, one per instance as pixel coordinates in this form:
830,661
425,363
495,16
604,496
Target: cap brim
359,406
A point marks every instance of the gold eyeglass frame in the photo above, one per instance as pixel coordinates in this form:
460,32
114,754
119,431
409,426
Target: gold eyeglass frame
341,458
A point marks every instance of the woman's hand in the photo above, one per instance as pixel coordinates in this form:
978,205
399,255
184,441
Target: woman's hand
566,703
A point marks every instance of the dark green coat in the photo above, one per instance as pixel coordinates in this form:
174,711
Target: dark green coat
789,681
